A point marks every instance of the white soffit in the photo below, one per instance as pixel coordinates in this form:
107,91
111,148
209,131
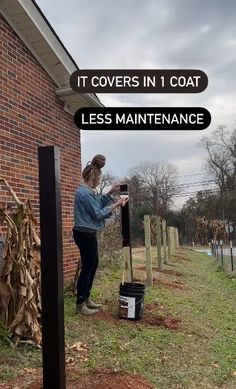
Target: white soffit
35,31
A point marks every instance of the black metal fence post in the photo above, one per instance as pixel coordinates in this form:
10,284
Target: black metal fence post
212,247
221,253
125,224
217,254
231,255
52,268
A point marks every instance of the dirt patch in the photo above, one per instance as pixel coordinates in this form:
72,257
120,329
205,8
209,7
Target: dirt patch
8,361
111,380
167,322
141,268
164,271
153,307
171,272
180,257
175,283
98,380
24,379
170,285
170,265
147,321
102,380
142,280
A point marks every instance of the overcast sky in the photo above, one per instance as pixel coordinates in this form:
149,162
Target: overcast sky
153,34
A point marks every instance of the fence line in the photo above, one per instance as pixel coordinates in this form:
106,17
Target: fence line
225,255
170,238
148,249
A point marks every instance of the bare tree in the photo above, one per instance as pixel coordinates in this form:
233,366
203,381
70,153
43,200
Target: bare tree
221,164
106,181
221,157
157,183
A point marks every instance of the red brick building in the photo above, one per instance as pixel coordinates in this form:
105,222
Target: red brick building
37,107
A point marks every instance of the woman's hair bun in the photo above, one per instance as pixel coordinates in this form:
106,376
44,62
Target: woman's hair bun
98,161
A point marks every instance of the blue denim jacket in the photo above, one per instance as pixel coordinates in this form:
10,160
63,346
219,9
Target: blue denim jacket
91,210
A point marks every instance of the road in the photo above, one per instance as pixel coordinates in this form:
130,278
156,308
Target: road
226,250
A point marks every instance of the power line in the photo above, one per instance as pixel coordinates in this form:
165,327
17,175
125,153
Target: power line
210,191
200,191
200,174
192,175
196,183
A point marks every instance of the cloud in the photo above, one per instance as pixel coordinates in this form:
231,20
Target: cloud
153,34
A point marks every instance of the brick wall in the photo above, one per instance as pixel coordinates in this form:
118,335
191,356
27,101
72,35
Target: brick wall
32,116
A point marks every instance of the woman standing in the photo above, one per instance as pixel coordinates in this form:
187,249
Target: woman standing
90,212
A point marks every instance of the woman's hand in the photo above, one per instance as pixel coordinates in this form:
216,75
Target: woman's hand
123,201
120,202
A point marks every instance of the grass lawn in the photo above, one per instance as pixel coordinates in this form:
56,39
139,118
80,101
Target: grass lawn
199,353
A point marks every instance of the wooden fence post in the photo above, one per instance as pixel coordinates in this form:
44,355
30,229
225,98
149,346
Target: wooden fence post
173,238
158,231
164,241
171,241
148,249
168,242
177,237
127,277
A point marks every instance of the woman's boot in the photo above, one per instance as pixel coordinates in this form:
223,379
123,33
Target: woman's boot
84,310
92,305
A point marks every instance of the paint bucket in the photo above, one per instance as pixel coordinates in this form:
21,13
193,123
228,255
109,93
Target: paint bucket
131,300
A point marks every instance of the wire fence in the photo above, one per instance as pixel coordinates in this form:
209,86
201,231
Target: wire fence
225,255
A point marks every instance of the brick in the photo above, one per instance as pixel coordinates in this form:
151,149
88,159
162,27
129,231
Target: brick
34,116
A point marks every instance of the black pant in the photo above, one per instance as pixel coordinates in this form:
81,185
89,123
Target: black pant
87,244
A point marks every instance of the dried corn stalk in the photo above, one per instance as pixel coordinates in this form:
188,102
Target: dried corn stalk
202,230
20,301
210,229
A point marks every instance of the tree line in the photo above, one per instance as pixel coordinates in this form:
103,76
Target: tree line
154,186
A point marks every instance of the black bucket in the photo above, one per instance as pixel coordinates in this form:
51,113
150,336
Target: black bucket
131,300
